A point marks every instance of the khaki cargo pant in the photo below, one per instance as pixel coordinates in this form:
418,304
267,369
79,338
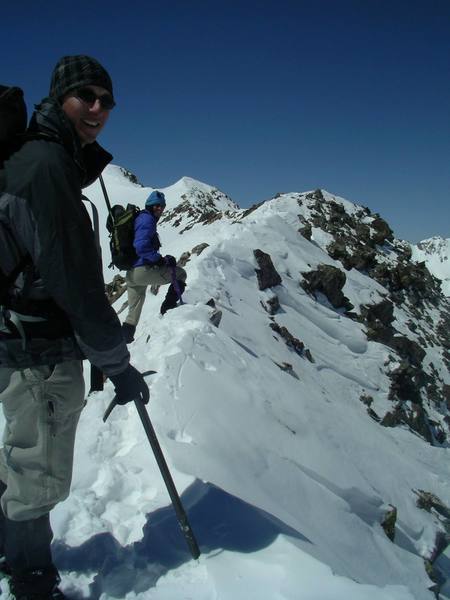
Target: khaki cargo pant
137,281
42,406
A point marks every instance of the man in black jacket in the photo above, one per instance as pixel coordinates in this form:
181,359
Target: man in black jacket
55,314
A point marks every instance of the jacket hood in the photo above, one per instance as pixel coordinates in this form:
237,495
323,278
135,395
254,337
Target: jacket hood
50,121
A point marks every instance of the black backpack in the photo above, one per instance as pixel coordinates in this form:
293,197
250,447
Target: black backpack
13,121
120,225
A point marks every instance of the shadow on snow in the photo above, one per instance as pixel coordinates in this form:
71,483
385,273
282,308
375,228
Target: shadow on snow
219,520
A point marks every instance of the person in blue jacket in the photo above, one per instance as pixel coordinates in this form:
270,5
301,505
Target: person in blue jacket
150,268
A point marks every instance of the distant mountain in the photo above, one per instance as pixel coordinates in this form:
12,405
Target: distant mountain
309,431
435,252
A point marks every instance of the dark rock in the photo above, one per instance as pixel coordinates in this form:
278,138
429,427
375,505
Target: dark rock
131,176
441,541
392,418
408,349
267,274
352,256
382,231
418,422
406,253
411,279
287,368
215,317
306,231
373,415
329,280
291,341
363,258
366,399
403,384
320,221
446,394
338,251
388,522
414,419
272,305
362,232
251,209
378,332
309,356
428,501
382,312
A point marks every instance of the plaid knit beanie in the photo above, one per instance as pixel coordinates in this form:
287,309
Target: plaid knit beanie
73,72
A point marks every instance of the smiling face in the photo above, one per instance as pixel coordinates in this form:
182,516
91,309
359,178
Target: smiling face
158,210
88,119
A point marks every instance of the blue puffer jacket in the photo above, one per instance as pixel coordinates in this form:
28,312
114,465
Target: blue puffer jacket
146,240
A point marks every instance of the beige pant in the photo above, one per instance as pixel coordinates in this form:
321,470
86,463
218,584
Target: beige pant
137,281
42,406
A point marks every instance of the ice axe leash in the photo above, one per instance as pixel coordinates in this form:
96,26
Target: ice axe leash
164,469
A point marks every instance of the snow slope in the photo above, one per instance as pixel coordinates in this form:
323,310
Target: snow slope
285,478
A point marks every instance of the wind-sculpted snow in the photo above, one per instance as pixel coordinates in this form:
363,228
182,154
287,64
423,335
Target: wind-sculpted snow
285,476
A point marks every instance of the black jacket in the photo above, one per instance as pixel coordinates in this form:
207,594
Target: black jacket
41,213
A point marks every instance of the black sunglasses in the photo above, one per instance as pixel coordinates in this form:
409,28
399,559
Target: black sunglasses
89,97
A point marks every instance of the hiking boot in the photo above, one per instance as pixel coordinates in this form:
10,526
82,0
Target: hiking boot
128,332
171,299
40,584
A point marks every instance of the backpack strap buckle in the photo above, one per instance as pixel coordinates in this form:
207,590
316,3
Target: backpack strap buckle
11,316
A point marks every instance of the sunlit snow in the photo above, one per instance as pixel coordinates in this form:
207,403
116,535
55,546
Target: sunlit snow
284,476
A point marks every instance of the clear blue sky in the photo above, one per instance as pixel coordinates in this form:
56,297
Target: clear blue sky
260,97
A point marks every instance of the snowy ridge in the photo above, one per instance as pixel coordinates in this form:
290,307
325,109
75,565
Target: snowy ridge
436,254
276,443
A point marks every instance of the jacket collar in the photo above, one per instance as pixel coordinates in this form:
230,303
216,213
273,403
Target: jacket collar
50,121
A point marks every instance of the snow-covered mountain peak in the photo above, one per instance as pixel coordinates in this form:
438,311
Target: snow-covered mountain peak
190,201
436,245
435,252
117,175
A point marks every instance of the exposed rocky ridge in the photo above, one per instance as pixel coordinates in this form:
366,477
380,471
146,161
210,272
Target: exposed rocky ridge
130,176
360,240
199,205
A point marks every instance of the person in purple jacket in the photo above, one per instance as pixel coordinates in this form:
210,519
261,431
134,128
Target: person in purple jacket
150,268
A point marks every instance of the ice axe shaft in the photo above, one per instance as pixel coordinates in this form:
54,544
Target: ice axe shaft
176,502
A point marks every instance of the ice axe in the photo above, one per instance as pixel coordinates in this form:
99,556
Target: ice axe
164,469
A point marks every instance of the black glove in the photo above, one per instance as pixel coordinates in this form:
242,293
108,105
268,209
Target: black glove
170,260
160,262
130,385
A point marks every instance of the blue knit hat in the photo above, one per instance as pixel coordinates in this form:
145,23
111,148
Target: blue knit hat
155,198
